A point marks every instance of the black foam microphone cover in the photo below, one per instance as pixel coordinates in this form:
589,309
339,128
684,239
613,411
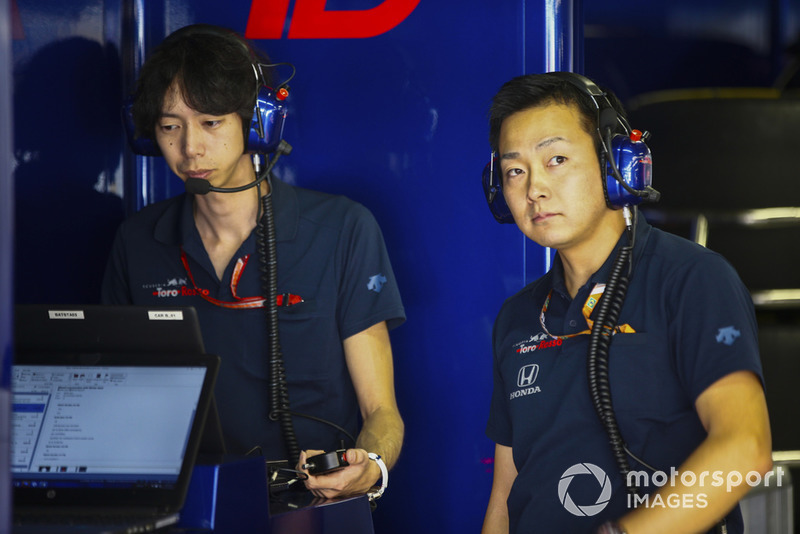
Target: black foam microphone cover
652,195
197,186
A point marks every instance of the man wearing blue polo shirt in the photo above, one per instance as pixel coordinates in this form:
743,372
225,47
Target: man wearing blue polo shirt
684,420
336,295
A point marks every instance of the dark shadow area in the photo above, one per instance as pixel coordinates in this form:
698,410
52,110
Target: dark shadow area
725,161
67,142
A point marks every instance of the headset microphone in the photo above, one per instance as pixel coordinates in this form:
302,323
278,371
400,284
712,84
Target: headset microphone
198,186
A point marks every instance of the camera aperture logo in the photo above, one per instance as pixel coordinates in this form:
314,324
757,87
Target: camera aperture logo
584,510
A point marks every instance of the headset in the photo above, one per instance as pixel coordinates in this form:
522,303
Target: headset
269,112
263,137
625,157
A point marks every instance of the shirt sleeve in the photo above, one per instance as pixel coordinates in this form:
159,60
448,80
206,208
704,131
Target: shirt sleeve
368,291
717,333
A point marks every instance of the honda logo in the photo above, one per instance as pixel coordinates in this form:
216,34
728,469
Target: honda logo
527,375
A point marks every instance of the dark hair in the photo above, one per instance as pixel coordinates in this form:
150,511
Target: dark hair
213,69
534,90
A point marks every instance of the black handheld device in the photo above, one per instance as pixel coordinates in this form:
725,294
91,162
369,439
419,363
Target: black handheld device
327,462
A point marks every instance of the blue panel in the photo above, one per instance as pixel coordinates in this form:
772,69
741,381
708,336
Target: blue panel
227,497
6,255
398,122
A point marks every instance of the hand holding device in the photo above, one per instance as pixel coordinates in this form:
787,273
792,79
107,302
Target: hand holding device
344,472
327,462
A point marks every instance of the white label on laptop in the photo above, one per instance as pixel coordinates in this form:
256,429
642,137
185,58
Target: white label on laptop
66,314
165,315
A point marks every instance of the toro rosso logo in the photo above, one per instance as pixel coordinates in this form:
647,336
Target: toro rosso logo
538,342
174,287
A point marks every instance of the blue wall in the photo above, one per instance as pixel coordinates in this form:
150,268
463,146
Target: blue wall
396,121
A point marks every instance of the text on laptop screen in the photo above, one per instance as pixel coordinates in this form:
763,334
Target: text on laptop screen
75,425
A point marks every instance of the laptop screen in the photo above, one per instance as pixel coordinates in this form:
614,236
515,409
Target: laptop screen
79,425
103,428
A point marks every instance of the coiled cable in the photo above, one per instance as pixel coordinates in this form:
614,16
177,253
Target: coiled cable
278,388
266,247
607,314
603,328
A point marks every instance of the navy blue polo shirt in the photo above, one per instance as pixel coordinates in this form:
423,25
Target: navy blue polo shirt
694,324
335,278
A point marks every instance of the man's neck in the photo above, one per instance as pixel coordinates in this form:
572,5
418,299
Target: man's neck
582,262
224,221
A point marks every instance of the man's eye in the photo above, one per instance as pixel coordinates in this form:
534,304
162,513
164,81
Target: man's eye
557,160
511,173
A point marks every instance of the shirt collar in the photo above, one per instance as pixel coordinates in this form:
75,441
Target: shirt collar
642,233
176,225
173,224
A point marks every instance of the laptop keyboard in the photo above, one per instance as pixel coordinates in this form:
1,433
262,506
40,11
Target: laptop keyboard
125,523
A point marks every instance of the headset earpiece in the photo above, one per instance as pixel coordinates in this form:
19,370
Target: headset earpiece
634,165
625,158
493,190
266,126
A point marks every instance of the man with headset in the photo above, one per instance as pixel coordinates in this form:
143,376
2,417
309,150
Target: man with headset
335,296
648,331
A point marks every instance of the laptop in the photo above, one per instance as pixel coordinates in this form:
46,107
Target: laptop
105,443
117,329
106,328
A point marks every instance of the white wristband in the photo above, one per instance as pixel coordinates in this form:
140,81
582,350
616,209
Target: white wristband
384,476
